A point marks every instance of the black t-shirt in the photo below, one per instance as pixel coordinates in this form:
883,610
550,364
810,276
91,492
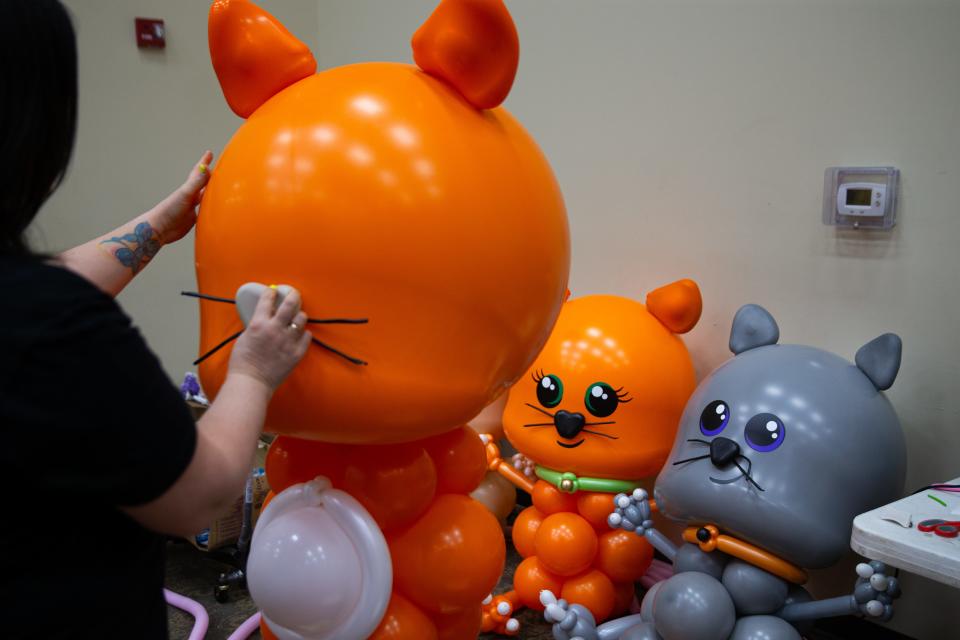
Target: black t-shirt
89,423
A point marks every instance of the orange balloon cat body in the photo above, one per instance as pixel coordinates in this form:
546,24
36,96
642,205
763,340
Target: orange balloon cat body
428,238
596,413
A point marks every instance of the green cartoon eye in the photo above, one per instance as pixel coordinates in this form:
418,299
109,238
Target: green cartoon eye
602,400
549,390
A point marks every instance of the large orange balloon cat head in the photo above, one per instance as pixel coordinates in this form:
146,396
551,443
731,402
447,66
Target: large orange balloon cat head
401,195
605,395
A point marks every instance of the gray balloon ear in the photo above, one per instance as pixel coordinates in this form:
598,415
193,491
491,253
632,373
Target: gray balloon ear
879,359
753,327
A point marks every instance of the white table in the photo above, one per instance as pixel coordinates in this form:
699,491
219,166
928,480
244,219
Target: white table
883,534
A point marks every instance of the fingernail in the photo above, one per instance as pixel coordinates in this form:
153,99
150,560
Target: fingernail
202,168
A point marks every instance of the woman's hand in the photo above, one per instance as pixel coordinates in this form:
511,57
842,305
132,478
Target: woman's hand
227,435
177,213
274,341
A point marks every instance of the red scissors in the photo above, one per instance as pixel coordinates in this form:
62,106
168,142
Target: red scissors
942,528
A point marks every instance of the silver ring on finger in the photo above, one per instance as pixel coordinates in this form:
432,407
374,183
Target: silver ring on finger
294,326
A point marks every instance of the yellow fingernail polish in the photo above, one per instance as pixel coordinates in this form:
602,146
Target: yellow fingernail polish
202,168
273,286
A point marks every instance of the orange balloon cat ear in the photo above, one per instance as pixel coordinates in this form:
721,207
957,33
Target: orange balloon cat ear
472,45
677,305
255,57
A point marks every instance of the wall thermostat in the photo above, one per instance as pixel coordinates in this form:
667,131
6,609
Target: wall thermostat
860,197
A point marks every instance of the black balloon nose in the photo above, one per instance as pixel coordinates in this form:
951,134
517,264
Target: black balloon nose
723,451
568,424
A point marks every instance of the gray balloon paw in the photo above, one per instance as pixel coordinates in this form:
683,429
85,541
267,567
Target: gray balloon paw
875,590
631,512
570,621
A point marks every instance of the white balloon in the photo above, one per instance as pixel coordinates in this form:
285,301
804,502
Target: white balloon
319,567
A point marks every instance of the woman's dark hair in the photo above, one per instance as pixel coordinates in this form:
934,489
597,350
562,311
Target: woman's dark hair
38,111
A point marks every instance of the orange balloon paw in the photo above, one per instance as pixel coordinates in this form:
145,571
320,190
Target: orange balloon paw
498,616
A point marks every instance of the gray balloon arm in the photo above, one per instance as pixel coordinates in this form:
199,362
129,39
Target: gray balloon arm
662,544
839,606
615,628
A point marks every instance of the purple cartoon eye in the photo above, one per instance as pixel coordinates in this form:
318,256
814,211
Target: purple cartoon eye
764,432
714,418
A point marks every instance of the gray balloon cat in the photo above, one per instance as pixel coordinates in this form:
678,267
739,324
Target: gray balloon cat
777,451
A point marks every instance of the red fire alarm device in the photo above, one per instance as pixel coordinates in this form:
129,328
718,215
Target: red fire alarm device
151,34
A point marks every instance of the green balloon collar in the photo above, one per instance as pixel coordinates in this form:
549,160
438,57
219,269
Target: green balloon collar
570,483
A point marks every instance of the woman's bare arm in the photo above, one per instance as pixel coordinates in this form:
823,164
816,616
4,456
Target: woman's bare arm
111,261
227,434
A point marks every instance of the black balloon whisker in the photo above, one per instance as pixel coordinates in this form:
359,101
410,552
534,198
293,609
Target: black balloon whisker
217,348
543,411
749,462
699,440
594,424
691,459
204,296
539,424
337,320
747,475
337,352
601,434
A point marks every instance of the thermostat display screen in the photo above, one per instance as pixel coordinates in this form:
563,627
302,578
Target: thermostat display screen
859,197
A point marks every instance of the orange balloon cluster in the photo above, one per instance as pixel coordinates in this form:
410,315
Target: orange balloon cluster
447,549
599,408
571,553
373,189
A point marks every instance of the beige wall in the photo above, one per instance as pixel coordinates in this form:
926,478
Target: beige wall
145,118
690,139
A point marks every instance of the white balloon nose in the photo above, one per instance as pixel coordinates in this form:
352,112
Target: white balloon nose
248,295
319,567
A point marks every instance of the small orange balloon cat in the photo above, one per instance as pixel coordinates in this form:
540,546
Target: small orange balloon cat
378,190
596,414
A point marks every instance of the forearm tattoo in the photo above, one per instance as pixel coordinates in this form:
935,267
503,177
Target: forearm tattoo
134,250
